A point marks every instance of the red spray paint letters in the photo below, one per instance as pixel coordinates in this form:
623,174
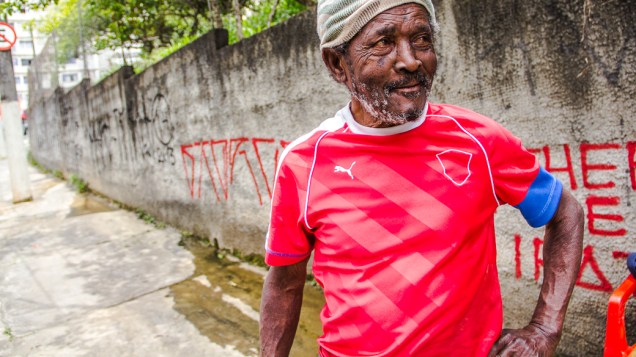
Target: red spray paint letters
598,175
211,165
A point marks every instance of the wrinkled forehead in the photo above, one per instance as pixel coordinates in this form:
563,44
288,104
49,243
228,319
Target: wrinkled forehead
340,20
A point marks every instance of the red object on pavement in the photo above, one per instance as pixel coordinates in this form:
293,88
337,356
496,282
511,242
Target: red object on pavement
615,334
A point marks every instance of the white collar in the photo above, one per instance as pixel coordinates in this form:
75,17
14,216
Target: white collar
357,128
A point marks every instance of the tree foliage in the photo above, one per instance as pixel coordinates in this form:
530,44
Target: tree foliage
115,24
150,25
257,16
7,8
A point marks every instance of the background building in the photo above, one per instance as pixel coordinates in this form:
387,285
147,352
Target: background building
29,43
35,55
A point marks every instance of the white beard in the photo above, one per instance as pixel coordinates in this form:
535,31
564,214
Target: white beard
377,106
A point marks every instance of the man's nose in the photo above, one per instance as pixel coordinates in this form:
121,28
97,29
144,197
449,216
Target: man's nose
406,59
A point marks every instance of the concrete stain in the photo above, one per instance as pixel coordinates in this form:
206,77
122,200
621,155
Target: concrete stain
510,36
222,300
41,186
89,204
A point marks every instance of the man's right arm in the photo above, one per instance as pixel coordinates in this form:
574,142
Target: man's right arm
280,308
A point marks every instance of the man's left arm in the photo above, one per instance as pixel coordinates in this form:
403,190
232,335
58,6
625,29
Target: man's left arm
562,249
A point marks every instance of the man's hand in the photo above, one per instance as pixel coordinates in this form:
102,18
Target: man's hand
531,340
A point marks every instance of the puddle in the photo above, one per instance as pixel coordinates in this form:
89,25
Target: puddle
87,204
222,300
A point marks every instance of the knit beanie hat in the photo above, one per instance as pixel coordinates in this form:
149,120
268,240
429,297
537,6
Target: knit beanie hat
340,20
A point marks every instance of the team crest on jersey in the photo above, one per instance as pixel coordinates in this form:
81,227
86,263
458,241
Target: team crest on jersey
456,165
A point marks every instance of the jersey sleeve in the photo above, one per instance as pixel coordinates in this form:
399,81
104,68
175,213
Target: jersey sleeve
521,182
287,239
542,199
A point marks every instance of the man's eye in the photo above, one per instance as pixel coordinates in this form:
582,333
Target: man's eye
422,41
382,42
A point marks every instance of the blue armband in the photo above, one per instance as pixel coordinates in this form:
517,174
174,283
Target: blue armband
542,199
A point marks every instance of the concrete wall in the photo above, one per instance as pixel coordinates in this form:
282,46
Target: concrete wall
195,139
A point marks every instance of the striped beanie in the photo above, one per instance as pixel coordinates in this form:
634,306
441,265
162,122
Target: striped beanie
340,20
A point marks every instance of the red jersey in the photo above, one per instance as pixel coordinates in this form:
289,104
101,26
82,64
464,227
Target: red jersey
401,221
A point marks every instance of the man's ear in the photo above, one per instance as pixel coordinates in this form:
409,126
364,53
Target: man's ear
335,63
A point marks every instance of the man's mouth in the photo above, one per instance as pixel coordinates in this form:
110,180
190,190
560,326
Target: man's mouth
410,90
410,87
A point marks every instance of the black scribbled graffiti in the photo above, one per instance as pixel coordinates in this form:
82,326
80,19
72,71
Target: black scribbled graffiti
163,129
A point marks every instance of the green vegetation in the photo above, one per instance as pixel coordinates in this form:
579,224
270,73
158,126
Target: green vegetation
148,59
150,219
188,238
7,332
261,15
155,28
253,259
36,164
80,185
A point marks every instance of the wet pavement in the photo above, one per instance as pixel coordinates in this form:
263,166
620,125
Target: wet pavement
82,277
217,283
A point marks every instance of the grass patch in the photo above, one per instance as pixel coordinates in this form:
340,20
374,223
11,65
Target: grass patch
7,332
80,185
150,219
141,214
58,174
36,164
253,259
188,239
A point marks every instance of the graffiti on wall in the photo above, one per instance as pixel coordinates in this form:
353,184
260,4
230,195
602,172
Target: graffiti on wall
211,166
154,131
119,140
101,137
161,123
603,203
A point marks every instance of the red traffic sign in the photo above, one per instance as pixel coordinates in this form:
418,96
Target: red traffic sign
7,36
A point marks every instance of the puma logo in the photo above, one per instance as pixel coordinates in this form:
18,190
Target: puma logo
342,169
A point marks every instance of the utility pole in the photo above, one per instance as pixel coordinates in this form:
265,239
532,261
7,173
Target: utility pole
87,74
13,134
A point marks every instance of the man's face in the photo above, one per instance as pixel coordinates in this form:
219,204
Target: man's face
390,65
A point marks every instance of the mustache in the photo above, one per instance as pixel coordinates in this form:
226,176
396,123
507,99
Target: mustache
407,79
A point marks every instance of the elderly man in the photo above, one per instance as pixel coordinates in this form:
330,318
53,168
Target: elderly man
396,198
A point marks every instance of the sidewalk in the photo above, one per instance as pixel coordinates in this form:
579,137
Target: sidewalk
94,280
